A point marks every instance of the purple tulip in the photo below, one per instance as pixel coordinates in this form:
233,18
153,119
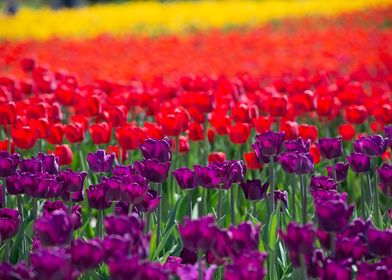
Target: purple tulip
372,146
299,240
208,176
188,256
112,188
15,184
116,247
76,217
159,150
280,195
196,234
54,229
374,271
150,202
330,148
8,164
350,248
380,242
299,145
388,131
9,222
191,272
341,170
1,195
186,178
320,195
359,163
268,144
76,211
323,183
153,170
122,225
385,174
96,197
31,165
15,272
134,192
333,215
253,190
316,263
250,266
121,208
221,250
75,196
49,163
73,180
100,162
121,170
335,270
86,254
294,162
173,263
244,238
52,264
235,171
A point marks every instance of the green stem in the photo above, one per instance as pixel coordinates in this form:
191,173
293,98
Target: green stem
255,209
4,195
220,203
100,223
190,203
363,197
376,196
369,188
272,183
199,262
303,267
232,206
333,243
303,199
293,202
35,208
21,212
159,218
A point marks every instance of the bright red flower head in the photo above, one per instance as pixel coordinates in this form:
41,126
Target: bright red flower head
65,95
277,105
24,137
356,114
129,137
64,154
7,113
117,115
216,157
308,132
55,134
196,132
315,152
241,113
100,133
221,122
290,128
40,126
184,144
251,161
173,123
74,132
262,124
211,135
347,131
239,133
325,106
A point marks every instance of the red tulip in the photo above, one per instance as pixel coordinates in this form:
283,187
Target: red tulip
65,94
262,124
221,122
7,113
4,146
383,113
239,133
184,144
251,161
304,102
24,137
277,105
290,128
115,151
216,157
117,115
89,106
211,135
83,120
241,113
129,137
315,152
153,130
173,123
196,132
27,64
325,106
100,133
74,132
64,154
55,134
308,132
40,126
37,111
356,114
347,131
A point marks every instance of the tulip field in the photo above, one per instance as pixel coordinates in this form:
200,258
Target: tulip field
197,140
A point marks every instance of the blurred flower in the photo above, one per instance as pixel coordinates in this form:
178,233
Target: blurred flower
8,164
251,161
191,272
359,163
380,242
51,264
253,190
152,169
73,180
100,161
216,157
295,162
196,234
333,215
299,145
54,229
373,145
9,222
330,148
186,178
122,225
96,197
159,150
86,254
249,265
268,144
341,170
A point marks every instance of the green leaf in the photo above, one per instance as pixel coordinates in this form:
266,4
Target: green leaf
163,241
273,230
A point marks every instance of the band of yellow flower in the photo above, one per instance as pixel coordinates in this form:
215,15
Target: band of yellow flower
154,18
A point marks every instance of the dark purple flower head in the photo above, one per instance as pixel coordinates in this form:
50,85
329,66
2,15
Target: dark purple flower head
380,242
150,202
299,145
116,247
191,272
359,163
17,271
123,225
39,185
196,234
49,163
385,174
9,222
250,266
244,238
32,165
280,195
341,170
52,264
15,184
388,131
157,149
357,227
253,190
320,195
208,176
153,170
86,254
232,171
75,196
54,229
121,170
299,240
338,270
121,208
100,161
333,215
323,183
76,217
374,271
294,162
135,191
188,256
372,145
268,144
316,262
8,164
172,263
186,178
96,197
350,248
73,180
221,250
112,188
76,212
330,148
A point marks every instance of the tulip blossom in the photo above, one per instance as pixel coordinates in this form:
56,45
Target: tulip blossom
100,161
9,222
330,148
54,229
359,163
